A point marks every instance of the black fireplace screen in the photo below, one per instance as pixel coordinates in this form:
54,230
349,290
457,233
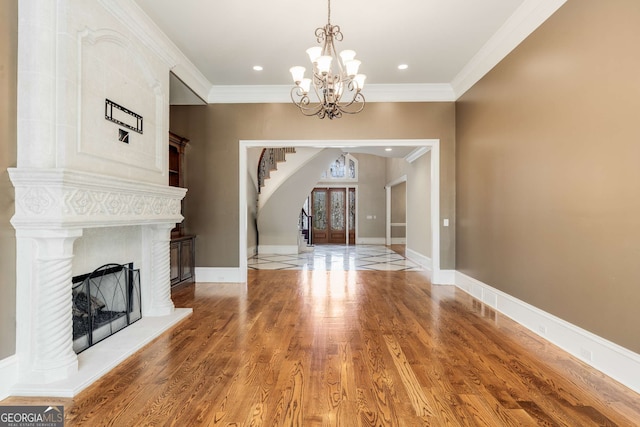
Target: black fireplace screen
104,302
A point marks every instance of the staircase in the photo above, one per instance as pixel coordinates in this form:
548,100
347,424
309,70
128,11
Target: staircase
268,163
281,196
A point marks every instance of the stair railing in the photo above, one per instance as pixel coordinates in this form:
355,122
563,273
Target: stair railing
269,162
306,226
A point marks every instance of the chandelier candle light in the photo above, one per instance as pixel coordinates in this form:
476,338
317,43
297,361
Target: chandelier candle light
335,79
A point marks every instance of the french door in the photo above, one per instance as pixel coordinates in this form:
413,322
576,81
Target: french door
334,215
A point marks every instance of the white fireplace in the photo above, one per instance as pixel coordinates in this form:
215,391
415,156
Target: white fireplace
91,181
54,209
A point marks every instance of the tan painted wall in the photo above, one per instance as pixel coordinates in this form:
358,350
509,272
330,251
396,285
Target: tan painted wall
211,205
8,155
548,170
420,237
418,203
371,196
399,202
399,209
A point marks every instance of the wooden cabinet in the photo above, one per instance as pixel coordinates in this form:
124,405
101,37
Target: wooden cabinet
182,260
177,146
182,252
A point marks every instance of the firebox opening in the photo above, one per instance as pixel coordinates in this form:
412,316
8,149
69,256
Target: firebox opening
104,302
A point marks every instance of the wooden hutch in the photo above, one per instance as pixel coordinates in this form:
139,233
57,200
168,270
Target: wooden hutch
182,245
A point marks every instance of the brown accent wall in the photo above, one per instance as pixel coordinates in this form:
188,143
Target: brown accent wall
548,170
211,205
8,155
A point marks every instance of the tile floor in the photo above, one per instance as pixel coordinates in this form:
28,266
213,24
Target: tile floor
336,258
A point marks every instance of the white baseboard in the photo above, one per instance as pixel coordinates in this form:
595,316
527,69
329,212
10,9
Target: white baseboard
422,260
443,277
278,249
371,241
398,240
9,375
218,274
613,360
251,251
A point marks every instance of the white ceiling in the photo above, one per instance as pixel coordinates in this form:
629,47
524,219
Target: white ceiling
447,44
225,39
442,41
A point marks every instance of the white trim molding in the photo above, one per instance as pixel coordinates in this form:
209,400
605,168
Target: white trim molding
278,249
422,260
219,275
257,94
443,277
524,21
416,154
370,241
613,360
9,375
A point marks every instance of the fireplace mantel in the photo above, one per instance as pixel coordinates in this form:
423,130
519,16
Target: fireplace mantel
53,207
63,198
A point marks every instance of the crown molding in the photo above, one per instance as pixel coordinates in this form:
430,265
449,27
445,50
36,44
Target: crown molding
416,154
128,13
524,21
243,94
423,92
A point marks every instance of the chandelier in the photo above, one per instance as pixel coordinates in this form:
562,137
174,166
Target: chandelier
335,80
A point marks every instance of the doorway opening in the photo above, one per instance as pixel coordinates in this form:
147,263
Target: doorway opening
432,145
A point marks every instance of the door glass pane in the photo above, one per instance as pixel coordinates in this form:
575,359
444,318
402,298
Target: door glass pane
352,209
337,210
320,209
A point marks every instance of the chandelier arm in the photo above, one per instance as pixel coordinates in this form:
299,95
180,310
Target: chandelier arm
357,100
303,103
321,34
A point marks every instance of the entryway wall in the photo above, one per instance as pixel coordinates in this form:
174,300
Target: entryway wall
398,217
420,222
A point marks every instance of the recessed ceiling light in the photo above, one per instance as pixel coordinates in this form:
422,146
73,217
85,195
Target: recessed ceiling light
257,68
388,149
403,67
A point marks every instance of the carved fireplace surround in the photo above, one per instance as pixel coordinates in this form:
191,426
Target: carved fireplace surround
53,208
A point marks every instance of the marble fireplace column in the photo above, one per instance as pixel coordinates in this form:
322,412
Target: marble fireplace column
155,278
48,344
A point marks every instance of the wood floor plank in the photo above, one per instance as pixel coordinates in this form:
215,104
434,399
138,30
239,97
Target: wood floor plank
365,348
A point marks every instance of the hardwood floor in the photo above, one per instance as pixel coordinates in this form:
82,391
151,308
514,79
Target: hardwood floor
352,348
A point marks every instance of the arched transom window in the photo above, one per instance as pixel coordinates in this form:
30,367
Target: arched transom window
344,168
